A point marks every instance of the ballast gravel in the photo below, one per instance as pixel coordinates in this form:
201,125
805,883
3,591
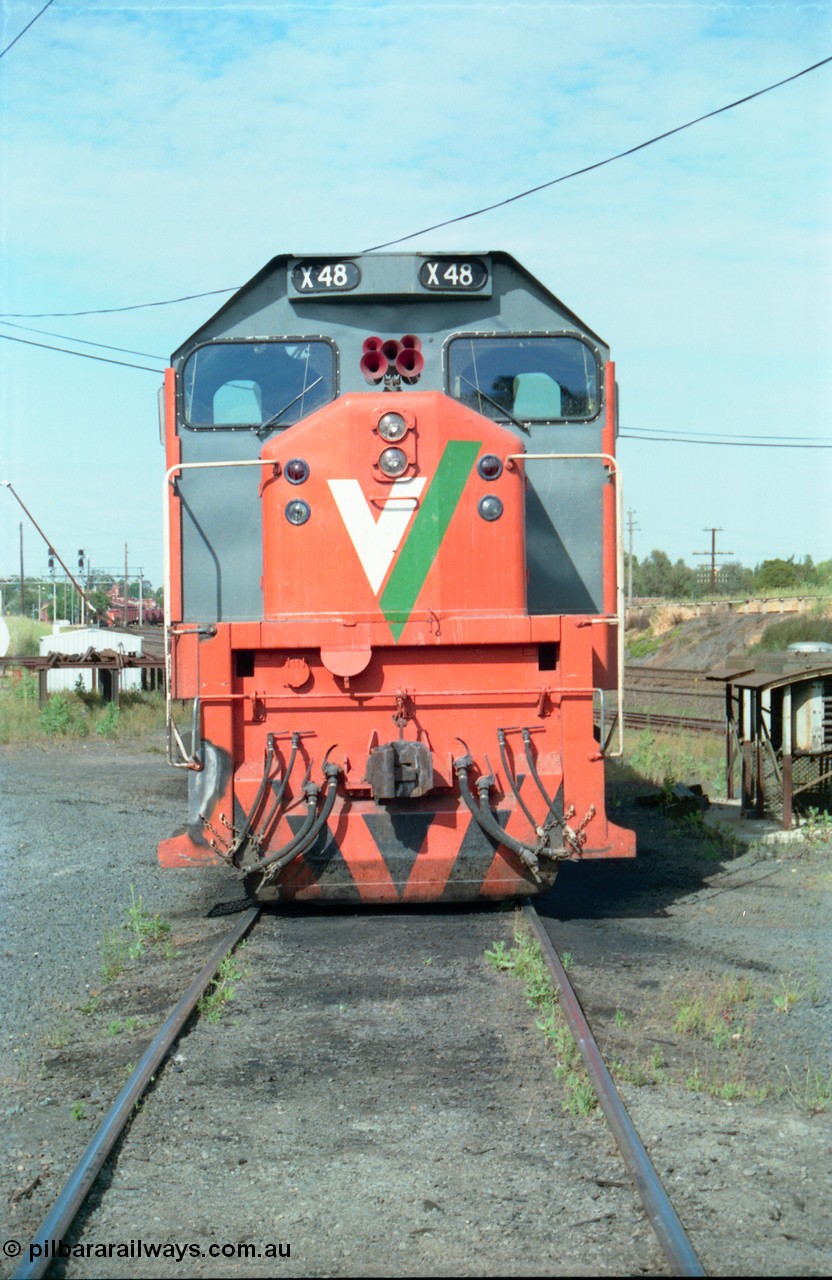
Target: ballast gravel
375,1099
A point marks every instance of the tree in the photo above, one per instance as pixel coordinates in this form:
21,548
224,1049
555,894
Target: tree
657,576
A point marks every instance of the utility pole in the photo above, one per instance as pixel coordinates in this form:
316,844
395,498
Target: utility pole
125,584
713,554
7,484
630,530
22,587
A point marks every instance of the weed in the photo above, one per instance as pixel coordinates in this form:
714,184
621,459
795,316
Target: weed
620,1018
63,716
712,1014
788,995
817,826
108,725
91,1005
59,1037
142,925
119,1025
814,1095
78,1111
525,961
24,686
114,954
222,990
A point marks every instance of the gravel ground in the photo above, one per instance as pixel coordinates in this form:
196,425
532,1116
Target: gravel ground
376,1098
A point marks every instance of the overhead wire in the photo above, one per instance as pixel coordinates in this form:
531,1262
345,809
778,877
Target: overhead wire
738,444
3,52
475,213
107,311
84,355
599,164
84,342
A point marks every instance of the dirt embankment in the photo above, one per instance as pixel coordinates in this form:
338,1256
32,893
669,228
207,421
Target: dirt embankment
700,636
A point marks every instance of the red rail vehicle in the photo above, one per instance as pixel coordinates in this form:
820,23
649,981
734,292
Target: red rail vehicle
392,512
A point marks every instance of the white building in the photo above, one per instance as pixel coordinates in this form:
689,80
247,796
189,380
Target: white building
77,642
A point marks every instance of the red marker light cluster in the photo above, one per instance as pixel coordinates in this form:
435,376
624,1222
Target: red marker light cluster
403,356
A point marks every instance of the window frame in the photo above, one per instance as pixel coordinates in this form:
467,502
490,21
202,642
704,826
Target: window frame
273,340
508,334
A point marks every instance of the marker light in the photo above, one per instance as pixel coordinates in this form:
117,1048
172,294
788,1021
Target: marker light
296,471
297,512
392,426
490,508
393,462
489,466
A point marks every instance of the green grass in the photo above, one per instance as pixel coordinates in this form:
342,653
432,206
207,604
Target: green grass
222,990
73,714
779,635
665,757
525,961
24,636
125,942
812,1094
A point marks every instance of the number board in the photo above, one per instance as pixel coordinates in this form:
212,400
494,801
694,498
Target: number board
325,277
458,275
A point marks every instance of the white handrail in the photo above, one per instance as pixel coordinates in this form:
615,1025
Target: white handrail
610,461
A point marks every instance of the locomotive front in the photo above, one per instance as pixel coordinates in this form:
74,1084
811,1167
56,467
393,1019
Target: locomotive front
390,506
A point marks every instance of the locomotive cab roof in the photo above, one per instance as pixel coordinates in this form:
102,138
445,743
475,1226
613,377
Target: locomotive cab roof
315,294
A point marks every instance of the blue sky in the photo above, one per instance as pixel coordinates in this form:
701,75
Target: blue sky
153,150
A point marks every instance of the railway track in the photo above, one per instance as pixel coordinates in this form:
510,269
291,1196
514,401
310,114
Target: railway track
667,720
661,1215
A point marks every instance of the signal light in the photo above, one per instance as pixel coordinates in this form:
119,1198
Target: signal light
81,559
296,471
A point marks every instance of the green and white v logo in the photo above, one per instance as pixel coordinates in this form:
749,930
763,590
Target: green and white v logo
377,540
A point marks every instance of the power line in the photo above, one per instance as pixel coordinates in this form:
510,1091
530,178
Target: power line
26,28
82,354
737,444
107,311
168,302
599,164
84,342
735,435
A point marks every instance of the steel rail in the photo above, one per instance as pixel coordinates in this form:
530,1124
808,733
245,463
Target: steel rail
663,1217
82,1179
667,720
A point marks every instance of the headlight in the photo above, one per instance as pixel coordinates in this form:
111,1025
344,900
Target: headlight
393,462
392,426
